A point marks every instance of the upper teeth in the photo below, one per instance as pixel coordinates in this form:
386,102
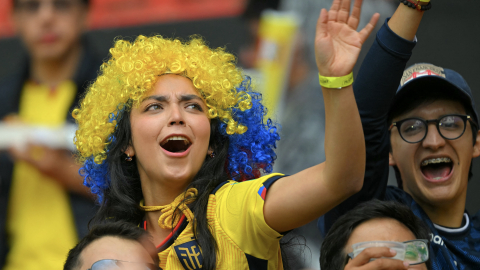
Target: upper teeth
436,160
178,138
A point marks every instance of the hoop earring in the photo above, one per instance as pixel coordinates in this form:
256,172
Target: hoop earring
128,158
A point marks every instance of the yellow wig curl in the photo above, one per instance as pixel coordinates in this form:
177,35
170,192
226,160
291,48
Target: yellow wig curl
133,70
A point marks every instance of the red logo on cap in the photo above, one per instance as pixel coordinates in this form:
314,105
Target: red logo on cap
421,73
419,70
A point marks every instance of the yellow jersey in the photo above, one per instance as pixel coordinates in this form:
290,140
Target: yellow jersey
244,240
40,222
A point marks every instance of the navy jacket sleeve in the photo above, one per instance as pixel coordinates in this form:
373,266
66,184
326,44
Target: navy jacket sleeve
374,88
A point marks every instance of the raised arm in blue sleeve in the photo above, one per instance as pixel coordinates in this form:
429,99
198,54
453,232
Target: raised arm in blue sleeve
375,87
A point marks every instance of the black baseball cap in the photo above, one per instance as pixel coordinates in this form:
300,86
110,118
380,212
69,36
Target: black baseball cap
421,74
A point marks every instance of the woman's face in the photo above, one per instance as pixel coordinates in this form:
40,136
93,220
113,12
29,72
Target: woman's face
170,132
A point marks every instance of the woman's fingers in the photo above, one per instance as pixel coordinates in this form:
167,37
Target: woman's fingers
322,24
344,11
332,14
354,18
369,27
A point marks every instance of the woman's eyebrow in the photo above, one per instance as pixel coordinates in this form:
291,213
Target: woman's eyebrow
158,98
167,98
189,97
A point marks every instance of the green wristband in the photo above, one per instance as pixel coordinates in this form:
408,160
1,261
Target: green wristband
336,82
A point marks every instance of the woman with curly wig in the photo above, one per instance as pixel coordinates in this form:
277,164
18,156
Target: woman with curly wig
169,131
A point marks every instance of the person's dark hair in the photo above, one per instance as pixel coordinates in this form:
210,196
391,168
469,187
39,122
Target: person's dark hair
427,92
86,2
118,229
121,199
332,252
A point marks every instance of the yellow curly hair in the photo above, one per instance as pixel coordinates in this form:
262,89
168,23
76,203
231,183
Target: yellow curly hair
133,70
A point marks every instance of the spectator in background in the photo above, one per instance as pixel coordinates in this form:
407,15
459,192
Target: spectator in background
44,208
114,245
427,130
375,221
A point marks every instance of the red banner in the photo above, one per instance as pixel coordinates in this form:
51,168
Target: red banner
121,13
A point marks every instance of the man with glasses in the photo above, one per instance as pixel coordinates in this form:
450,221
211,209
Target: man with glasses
41,191
390,228
114,246
427,130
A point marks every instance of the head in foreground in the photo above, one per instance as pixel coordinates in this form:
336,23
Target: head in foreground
434,136
115,245
375,221
164,116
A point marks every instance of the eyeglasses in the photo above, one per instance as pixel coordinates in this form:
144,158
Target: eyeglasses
450,127
416,252
109,264
33,6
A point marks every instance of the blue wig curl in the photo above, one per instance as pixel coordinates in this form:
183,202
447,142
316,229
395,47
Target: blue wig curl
251,152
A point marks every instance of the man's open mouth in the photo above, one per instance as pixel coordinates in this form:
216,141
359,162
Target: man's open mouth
176,144
436,169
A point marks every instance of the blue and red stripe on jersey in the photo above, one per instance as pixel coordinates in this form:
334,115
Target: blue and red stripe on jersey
262,192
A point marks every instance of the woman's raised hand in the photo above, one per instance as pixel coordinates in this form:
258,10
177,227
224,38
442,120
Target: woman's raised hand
337,42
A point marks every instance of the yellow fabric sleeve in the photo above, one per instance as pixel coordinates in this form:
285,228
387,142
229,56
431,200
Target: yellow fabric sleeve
240,213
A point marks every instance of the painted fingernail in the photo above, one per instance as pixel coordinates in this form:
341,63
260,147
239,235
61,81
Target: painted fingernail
393,251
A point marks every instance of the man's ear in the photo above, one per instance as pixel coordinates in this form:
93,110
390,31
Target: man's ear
391,160
476,146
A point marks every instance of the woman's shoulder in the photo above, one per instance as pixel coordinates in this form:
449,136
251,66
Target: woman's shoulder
263,183
236,213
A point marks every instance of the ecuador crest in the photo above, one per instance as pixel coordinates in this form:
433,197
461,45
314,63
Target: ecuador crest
189,253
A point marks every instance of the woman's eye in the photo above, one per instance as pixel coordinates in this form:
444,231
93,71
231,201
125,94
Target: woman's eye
195,107
154,107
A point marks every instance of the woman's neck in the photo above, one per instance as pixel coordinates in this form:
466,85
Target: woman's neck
155,195
158,234
158,192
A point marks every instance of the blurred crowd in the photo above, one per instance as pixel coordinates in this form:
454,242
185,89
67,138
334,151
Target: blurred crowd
45,207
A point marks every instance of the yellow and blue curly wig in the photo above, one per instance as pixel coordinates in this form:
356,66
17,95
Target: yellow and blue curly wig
133,70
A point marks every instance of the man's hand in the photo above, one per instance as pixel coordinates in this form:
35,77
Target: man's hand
57,164
362,260
337,42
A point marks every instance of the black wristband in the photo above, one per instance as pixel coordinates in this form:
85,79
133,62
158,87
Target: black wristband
417,7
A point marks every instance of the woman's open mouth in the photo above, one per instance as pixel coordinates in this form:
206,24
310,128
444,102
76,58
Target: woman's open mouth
437,169
176,144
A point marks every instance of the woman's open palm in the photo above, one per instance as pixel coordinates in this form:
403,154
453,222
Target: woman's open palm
337,42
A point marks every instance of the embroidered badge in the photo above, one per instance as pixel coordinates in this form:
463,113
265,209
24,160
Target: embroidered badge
189,254
419,70
262,192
